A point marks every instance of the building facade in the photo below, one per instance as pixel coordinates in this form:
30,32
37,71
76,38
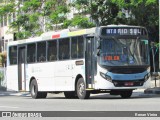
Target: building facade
5,21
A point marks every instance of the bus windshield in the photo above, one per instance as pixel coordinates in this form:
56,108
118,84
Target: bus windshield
123,52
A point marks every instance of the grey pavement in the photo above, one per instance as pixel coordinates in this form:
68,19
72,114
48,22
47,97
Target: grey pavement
14,93
155,90
155,87
139,92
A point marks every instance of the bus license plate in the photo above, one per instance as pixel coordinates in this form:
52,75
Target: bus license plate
128,83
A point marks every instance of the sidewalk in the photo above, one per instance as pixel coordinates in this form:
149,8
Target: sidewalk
3,92
154,89
14,93
2,88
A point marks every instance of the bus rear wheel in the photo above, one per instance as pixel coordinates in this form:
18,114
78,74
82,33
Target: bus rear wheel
81,90
34,91
126,94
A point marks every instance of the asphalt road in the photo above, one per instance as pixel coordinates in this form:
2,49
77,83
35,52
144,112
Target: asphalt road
99,102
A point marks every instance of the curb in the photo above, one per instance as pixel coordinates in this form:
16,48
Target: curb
155,90
14,93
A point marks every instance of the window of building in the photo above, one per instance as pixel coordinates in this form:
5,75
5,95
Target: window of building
9,19
52,50
41,51
13,55
77,47
31,53
1,20
64,49
14,17
5,20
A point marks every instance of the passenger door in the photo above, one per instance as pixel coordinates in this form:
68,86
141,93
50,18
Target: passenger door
89,62
22,68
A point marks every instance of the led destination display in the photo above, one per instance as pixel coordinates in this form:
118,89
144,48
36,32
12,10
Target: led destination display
123,31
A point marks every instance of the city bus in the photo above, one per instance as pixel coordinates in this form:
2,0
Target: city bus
107,59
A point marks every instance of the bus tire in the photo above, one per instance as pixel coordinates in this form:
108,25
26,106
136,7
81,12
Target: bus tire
43,95
70,95
82,93
34,90
126,94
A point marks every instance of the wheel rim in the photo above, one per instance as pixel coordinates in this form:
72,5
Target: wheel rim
33,90
81,89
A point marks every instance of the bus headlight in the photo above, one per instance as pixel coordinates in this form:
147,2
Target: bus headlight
106,77
146,77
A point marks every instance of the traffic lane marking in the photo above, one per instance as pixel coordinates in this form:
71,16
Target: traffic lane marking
8,107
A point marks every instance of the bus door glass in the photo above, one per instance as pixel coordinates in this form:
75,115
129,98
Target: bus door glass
21,68
89,62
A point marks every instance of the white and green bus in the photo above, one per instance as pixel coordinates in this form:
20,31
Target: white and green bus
112,59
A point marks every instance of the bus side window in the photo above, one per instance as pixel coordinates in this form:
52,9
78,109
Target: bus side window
74,47
41,58
13,55
64,52
31,50
80,47
41,51
52,50
77,49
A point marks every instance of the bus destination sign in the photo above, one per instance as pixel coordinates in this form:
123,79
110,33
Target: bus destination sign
123,31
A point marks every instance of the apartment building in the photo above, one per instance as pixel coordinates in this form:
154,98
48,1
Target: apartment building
5,21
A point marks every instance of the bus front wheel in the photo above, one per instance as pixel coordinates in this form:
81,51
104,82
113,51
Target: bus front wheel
126,94
81,90
34,91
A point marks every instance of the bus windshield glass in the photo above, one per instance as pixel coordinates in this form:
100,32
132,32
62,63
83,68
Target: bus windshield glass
123,52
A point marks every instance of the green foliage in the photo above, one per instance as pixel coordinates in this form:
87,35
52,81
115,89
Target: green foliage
33,15
59,14
131,12
103,12
81,22
8,8
140,12
1,77
3,57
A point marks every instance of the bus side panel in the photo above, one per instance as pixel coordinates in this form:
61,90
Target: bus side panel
12,78
44,75
78,69
63,75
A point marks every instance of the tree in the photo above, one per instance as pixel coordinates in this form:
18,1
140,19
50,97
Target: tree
130,12
6,8
57,12
102,12
33,17
3,58
139,12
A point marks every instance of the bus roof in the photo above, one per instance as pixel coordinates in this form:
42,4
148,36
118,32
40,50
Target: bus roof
54,35
66,33
121,25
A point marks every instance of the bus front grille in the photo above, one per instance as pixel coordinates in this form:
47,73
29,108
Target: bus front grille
128,83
